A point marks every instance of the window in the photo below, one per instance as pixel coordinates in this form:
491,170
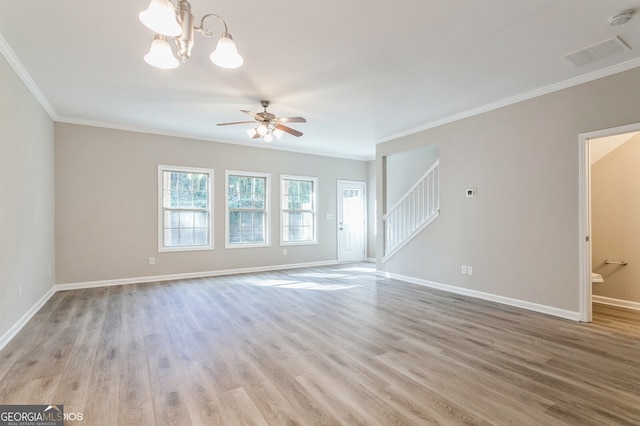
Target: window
298,203
247,209
184,208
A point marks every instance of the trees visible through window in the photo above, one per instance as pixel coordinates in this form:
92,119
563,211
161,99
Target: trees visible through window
298,201
185,211
247,209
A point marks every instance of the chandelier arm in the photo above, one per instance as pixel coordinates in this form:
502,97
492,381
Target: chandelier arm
208,33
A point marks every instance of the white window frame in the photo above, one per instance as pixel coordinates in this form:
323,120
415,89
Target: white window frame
267,208
161,209
314,210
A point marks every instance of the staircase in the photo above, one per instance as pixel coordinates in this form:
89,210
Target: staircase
416,209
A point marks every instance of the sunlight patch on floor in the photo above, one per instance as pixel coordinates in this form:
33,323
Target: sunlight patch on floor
268,283
301,285
365,269
310,285
319,275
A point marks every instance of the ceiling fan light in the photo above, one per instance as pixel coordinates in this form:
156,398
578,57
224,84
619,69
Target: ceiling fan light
226,55
160,17
268,137
252,132
278,133
262,129
160,55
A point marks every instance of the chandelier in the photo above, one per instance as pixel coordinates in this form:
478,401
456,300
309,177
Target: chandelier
266,131
165,20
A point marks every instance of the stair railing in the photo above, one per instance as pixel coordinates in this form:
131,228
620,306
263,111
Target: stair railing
413,212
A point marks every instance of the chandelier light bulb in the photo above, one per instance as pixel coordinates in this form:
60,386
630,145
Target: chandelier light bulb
160,17
278,133
262,129
268,137
226,54
160,55
252,132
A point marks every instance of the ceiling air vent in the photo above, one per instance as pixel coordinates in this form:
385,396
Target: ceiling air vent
596,52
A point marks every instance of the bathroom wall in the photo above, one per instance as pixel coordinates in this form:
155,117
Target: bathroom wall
615,222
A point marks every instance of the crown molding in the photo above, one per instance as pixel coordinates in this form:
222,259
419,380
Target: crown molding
199,137
585,78
17,66
19,69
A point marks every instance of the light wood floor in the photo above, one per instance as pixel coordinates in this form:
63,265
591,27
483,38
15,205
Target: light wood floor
334,345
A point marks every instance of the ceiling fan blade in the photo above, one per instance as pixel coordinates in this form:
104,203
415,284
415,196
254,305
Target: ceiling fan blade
288,130
291,120
235,122
256,136
251,113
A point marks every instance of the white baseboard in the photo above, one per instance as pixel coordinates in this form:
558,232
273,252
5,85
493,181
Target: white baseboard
549,310
189,275
11,333
575,316
616,302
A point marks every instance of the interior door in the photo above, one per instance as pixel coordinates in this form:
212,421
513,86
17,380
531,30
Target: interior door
351,221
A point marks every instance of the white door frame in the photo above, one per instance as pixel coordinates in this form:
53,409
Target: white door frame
339,211
584,234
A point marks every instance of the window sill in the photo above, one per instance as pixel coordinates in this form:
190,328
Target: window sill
174,249
241,246
298,243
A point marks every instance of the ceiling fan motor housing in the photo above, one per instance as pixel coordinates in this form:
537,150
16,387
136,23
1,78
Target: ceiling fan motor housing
266,116
270,123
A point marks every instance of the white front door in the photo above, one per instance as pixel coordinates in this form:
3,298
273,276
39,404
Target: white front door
351,221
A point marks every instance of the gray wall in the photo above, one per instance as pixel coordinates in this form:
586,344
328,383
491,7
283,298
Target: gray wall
27,193
615,221
521,232
371,209
106,203
404,169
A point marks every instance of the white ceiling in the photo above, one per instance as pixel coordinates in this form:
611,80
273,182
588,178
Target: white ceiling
360,72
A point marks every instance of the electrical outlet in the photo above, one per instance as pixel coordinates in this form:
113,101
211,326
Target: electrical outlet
152,261
284,252
463,269
469,270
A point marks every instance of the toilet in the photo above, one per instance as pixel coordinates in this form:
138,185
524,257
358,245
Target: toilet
596,278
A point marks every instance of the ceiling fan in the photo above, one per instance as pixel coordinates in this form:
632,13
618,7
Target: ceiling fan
268,125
